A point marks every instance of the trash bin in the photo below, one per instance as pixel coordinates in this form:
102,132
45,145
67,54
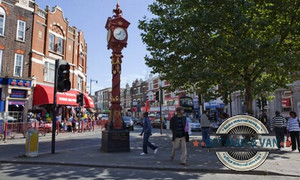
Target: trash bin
32,143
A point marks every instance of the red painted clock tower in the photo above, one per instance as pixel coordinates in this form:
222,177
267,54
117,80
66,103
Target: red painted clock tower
116,138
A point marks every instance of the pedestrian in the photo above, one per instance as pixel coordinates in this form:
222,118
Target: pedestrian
293,128
278,123
205,123
180,136
147,133
264,118
74,124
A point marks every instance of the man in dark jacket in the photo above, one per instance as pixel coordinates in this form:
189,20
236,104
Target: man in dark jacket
180,136
147,134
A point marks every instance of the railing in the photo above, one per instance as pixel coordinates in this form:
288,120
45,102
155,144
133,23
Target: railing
12,130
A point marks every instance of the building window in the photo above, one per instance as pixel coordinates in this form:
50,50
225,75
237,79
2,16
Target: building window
79,83
21,30
2,21
49,72
1,53
60,45
18,65
150,86
51,42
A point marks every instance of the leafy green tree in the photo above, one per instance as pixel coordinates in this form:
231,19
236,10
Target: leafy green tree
251,46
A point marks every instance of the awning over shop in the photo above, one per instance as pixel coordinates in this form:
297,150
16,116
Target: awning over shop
44,95
88,101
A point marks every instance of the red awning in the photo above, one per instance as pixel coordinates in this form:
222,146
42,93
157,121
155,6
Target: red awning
44,95
88,101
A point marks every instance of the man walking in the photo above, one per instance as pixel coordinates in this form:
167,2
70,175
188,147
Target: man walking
147,134
179,135
278,121
205,123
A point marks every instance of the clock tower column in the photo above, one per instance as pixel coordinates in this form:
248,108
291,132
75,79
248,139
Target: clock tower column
115,137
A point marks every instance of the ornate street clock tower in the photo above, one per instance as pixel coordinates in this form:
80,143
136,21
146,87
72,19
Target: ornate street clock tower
116,138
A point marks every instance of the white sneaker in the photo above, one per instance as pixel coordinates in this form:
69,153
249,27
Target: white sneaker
155,150
143,154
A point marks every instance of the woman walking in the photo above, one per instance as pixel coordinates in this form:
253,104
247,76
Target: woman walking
293,128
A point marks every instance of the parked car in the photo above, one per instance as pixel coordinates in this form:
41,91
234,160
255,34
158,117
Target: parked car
128,122
137,121
156,123
9,119
194,124
104,117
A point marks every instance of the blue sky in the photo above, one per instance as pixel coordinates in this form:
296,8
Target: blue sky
90,16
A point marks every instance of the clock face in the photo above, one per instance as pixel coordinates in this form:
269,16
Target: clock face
108,35
119,34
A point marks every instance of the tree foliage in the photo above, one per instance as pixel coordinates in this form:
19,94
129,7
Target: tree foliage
250,46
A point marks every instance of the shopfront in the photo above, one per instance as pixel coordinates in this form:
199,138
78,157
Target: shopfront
66,101
15,97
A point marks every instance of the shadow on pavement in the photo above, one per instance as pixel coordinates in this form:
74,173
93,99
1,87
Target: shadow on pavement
67,172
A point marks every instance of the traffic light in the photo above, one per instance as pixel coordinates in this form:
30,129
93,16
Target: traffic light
157,95
258,103
63,76
264,102
79,99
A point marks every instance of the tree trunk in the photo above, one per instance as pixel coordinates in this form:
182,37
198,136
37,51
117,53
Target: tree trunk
249,100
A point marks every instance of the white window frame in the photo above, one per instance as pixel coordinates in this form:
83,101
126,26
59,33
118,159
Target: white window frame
47,70
60,45
51,44
3,13
20,30
21,64
79,83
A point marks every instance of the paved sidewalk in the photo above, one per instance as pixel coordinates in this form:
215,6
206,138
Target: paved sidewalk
199,159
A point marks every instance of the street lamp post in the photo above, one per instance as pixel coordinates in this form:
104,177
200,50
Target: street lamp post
91,81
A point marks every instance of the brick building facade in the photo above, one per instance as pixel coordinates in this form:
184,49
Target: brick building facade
55,39
16,19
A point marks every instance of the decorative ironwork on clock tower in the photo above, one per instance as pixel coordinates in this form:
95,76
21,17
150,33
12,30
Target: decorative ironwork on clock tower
114,138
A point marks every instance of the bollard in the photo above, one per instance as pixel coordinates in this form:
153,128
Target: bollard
35,125
82,126
93,125
5,130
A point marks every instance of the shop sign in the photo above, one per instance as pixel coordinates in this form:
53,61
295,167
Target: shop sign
286,102
16,103
16,93
19,82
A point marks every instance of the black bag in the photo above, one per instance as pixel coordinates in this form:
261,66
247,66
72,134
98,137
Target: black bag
187,137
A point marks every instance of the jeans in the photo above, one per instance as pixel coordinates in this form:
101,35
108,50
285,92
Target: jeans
147,144
180,141
295,138
205,135
279,131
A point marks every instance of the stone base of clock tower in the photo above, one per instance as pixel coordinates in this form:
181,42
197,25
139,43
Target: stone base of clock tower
115,141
